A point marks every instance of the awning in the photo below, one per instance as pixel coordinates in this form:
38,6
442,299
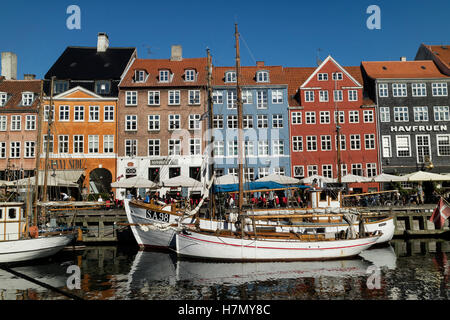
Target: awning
278,178
134,182
60,178
252,186
181,181
426,176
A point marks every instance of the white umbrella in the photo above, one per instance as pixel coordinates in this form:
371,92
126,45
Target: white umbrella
227,179
384,177
134,182
310,179
351,178
425,176
281,179
181,181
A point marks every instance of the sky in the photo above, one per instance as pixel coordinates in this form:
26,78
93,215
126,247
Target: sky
290,33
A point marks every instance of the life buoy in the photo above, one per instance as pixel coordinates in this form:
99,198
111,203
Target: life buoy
34,232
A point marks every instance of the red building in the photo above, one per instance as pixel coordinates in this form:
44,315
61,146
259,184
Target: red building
317,97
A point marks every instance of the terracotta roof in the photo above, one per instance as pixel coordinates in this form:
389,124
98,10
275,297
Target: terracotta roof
14,89
248,75
418,69
441,52
177,68
295,77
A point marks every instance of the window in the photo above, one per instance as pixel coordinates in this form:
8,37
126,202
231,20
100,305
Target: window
219,148
263,148
153,147
369,140
383,90
385,115
60,86
78,113
323,95
130,148
263,172
357,169
341,116
153,98
93,144
14,149
94,113
27,99
296,117
30,122
353,116
299,171
189,75
263,121
64,113
47,112
310,117
233,171
218,122
230,76
277,96
312,170
249,174
174,122
194,96
386,145
343,141
194,122
131,122
419,90
3,99
311,143
399,90
443,145
164,76
174,97
327,170
131,98
16,123
420,114
277,121
217,97
108,114
325,117
439,89
441,114
279,171
108,143
30,149
297,143
231,99
247,97
232,148
153,122
423,148
403,146
249,148
337,95
352,95
232,122
140,76
78,144
337,76
261,99
278,147
2,150
368,116
102,87
3,123
355,142
247,121
194,147
309,96
262,76
322,76
325,143
401,114
63,144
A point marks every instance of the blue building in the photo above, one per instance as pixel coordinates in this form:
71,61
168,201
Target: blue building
265,121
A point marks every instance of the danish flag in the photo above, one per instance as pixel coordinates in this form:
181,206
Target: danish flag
440,214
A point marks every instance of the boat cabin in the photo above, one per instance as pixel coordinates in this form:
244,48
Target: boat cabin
324,198
12,220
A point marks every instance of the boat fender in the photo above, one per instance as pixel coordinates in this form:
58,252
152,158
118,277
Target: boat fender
34,232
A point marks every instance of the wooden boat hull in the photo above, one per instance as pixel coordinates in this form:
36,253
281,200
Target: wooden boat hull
31,249
209,246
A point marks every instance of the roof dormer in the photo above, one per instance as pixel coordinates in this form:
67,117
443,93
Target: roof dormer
262,76
3,98
190,75
165,76
27,98
140,76
230,76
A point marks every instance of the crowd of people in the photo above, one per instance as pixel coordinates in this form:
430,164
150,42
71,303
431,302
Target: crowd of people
269,199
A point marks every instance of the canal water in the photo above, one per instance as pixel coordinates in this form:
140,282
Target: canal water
403,270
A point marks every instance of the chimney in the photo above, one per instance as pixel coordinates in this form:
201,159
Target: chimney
9,65
402,58
176,53
102,42
28,76
260,63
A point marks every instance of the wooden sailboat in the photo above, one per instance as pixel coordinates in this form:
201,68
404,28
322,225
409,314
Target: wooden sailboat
18,241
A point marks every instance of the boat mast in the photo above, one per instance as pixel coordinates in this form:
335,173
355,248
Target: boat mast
240,118
210,112
47,146
338,133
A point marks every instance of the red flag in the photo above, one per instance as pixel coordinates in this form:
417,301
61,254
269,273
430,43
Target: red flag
440,214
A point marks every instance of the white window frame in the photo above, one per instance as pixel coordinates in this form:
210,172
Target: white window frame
131,98
383,90
108,113
296,117
30,122
78,113
441,113
401,114
386,146
399,90
154,122
16,122
153,98
94,113
131,122
408,145
174,122
174,97
194,97
78,144
446,144
93,143
63,144
439,89
421,114
368,116
153,145
419,89
108,143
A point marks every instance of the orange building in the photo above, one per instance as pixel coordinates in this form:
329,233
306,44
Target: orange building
82,138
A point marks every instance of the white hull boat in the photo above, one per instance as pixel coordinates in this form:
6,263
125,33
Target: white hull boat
209,246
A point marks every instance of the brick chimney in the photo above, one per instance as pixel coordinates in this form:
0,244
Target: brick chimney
176,53
260,63
102,42
29,76
402,58
9,65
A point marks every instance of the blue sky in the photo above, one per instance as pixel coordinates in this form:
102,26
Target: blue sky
281,32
